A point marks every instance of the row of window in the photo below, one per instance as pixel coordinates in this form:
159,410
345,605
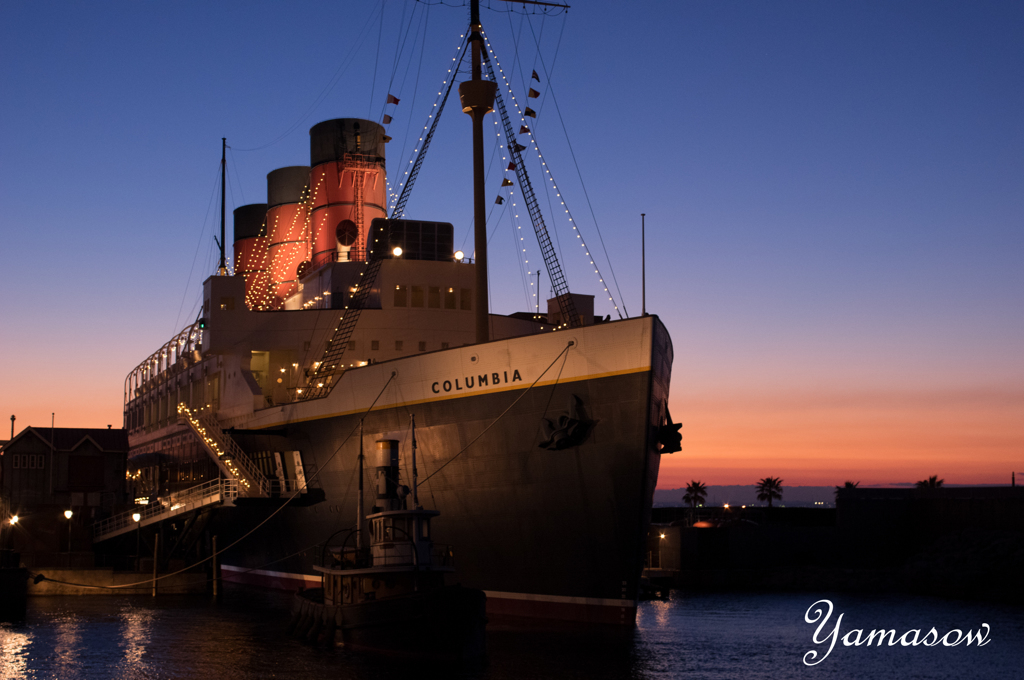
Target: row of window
25,461
412,296
399,345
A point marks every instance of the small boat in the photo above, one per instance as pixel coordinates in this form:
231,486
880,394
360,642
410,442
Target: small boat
389,594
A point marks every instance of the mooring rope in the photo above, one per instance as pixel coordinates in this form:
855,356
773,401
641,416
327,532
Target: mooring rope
251,531
493,422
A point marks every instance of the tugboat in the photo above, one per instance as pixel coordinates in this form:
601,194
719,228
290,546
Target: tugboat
390,595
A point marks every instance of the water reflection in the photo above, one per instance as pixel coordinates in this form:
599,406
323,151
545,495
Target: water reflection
66,650
14,652
134,639
705,636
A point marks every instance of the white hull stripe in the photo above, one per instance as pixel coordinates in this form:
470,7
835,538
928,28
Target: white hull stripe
561,599
272,574
498,595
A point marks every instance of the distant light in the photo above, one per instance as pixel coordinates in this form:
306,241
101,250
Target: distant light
459,255
13,520
663,535
136,516
726,506
68,513
397,252
743,506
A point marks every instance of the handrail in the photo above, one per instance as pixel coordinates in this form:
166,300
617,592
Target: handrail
229,453
215,490
170,353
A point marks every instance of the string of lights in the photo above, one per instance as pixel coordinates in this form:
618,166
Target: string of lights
395,194
502,6
524,129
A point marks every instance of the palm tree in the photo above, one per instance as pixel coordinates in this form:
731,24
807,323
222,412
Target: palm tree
768,489
847,485
932,482
696,494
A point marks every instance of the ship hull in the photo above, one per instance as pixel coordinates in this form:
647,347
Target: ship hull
556,532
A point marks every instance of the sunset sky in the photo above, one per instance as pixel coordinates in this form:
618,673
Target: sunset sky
834,196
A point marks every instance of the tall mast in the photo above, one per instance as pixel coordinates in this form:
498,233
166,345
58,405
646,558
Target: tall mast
415,492
222,267
477,97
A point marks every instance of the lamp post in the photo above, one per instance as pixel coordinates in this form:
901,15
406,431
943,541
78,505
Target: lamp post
68,514
11,521
138,531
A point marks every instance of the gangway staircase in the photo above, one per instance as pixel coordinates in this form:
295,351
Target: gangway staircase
232,461
214,492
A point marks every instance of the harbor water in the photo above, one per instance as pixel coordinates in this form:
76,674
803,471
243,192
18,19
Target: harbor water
690,636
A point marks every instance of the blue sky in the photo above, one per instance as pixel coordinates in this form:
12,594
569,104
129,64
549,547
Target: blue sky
834,191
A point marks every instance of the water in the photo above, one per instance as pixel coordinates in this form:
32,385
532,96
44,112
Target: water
692,636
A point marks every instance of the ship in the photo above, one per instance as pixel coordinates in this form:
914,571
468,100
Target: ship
540,435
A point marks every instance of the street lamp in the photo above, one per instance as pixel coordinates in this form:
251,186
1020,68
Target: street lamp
138,530
12,521
68,514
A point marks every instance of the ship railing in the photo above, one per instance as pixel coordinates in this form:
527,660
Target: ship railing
284,487
403,553
193,498
228,453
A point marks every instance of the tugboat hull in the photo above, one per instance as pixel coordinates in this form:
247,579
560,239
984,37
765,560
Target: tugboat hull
444,623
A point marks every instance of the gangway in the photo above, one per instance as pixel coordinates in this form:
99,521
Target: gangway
217,491
233,462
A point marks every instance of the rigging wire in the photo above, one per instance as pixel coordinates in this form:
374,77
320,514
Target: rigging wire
536,145
586,194
376,58
522,74
399,51
238,176
199,244
505,7
346,62
522,266
502,415
277,510
415,90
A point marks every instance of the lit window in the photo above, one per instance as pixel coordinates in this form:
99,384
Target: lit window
401,296
449,298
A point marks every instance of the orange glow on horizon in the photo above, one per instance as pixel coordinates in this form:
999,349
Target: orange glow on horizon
965,437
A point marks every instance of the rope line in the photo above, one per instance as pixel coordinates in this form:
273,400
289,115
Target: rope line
316,474
493,422
579,173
